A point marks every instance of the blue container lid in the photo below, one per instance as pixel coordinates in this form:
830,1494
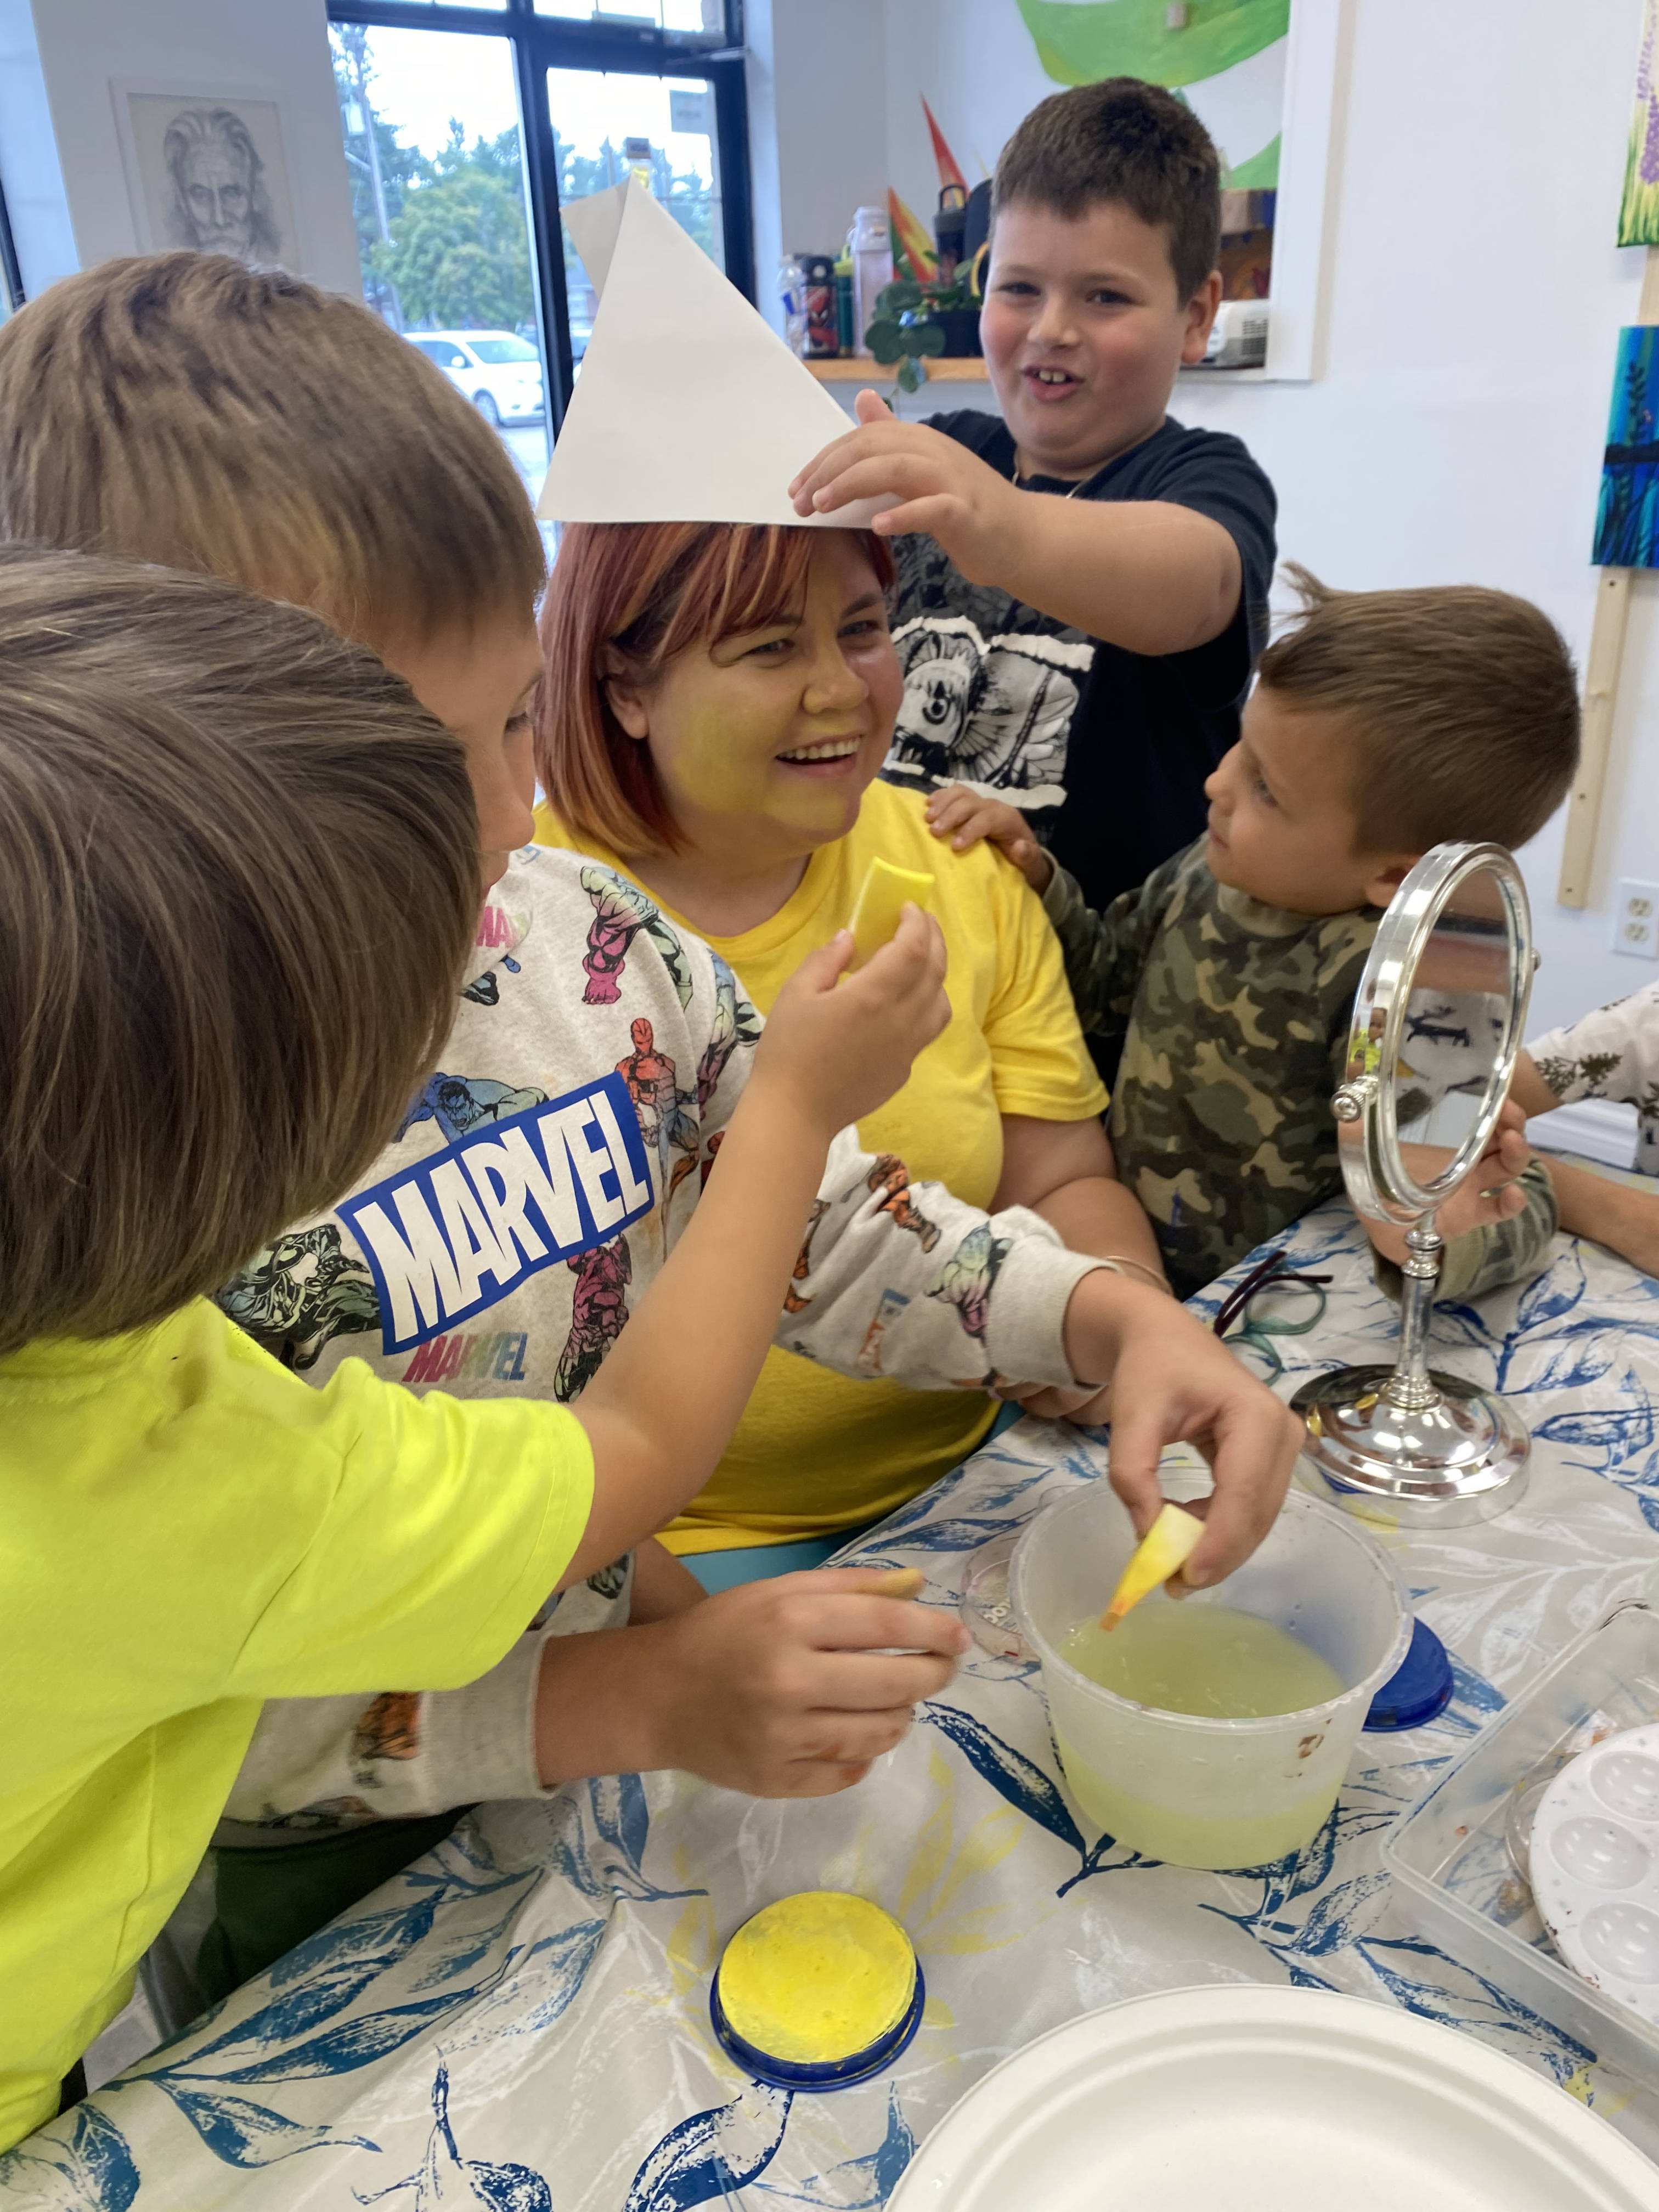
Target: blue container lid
836,2073
1421,1688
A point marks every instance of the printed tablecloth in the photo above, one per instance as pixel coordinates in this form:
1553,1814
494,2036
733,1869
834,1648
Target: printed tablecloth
520,2022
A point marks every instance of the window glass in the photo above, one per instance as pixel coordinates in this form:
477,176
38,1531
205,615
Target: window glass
497,350
704,17
605,125
431,126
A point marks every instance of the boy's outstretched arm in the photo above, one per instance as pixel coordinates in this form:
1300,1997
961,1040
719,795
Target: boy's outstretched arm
659,1412
1149,575
786,1688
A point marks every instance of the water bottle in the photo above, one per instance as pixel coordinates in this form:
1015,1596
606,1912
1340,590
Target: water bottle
872,268
792,296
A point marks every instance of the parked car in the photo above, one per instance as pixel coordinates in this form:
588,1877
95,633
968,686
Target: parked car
499,373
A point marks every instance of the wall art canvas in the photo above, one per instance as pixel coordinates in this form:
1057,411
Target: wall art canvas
1226,57
1627,520
207,170
1639,210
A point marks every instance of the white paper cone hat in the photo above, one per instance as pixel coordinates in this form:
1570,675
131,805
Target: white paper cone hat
689,408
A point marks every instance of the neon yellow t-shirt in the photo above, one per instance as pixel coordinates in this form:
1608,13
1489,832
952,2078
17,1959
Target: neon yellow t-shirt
815,1452
189,1529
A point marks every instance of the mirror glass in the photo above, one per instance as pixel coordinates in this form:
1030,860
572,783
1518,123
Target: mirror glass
1437,1021
1454,1035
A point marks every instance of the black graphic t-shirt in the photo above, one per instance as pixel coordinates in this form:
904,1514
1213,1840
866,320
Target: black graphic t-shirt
1107,751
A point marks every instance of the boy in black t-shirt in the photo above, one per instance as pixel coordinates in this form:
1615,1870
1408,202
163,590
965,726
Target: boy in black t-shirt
1082,584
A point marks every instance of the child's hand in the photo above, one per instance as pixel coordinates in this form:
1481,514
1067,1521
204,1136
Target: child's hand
1486,1196
1174,1382
789,1688
936,485
965,816
840,1048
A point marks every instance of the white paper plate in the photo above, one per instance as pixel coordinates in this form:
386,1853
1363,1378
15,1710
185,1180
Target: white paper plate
1253,2099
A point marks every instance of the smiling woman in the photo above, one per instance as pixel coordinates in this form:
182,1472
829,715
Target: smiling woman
720,699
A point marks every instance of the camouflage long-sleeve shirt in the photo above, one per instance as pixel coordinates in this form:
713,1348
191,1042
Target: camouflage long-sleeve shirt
1234,1020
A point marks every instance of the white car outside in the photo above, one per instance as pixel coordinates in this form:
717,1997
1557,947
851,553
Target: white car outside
498,372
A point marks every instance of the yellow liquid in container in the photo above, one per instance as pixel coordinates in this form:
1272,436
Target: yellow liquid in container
1203,1659
1219,1665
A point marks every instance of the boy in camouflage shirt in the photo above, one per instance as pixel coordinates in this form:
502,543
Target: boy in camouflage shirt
1383,724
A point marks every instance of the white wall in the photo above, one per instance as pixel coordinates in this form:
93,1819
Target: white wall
1454,430
264,49
817,125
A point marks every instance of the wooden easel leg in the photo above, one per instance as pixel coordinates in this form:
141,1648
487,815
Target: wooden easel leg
1607,650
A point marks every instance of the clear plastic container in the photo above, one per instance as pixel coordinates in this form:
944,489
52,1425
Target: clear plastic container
1195,1791
1459,1857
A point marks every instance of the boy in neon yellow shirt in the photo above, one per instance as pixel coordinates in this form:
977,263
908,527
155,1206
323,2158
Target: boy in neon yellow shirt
202,1035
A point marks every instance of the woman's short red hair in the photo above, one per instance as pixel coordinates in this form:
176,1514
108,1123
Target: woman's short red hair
648,590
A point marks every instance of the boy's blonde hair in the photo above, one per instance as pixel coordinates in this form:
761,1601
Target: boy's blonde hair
184,409
239,882
1462,705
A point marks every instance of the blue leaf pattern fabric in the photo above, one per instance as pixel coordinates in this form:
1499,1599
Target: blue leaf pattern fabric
245,2134
520,2021
709,2157
1009,1773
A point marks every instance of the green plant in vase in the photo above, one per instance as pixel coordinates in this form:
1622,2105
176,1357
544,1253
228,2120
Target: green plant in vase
906,330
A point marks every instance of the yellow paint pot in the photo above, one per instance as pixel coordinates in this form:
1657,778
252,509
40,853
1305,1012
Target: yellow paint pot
818,1991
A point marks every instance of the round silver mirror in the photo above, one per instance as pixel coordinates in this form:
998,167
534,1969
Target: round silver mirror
1438,1023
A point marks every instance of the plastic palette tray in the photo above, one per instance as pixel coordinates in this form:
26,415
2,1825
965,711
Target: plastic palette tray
1450,1857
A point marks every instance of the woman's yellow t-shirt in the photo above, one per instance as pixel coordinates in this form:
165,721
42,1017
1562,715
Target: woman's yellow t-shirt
815,1452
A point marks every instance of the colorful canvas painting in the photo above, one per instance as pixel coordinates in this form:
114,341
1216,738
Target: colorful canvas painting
1226,57
1627,520
1639,210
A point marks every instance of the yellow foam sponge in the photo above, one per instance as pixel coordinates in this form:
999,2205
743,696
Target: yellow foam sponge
883,895
816,1977
1166,1546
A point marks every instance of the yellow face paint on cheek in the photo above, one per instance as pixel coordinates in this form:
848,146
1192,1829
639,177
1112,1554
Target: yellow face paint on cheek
705,755
717,759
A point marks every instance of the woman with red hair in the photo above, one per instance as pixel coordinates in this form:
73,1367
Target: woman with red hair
719,700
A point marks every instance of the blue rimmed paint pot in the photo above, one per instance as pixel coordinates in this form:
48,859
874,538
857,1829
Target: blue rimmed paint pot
1422,1688
818,1991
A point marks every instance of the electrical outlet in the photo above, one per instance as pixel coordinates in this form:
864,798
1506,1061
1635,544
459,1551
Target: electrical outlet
1636,920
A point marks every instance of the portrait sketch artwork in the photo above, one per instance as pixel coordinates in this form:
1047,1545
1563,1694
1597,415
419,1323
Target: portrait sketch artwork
209,173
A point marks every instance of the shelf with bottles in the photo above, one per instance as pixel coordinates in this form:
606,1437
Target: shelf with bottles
852,369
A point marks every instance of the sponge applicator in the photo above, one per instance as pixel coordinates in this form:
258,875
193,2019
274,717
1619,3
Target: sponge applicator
882,899
1162,1552
818,1991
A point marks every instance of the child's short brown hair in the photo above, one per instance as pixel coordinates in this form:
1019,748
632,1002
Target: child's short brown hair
639,593
1462,704
1128,141
239,881
183,409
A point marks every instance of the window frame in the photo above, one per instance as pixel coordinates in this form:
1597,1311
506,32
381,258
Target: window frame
540,43
11,273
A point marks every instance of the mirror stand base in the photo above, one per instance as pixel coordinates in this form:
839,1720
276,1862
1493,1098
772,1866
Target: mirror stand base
1460,1461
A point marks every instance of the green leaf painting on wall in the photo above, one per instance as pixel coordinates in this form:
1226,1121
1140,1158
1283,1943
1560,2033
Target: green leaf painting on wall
1638,209
1080,41
1260,173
